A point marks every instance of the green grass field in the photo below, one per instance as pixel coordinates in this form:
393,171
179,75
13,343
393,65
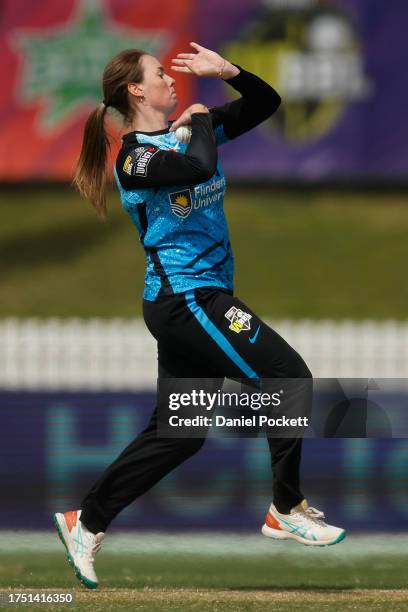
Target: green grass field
219,573
299,254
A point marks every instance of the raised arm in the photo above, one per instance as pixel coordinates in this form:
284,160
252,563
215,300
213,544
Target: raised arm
258,102
145,165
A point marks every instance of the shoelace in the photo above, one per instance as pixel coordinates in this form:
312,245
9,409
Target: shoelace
316,516
95,548
313,515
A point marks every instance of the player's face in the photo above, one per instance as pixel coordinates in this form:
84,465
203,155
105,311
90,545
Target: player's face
158,87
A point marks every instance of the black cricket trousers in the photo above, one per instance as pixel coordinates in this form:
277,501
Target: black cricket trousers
203,333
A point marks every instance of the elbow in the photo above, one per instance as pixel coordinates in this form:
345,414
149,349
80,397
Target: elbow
277,101
206,173
274,102
212,168
268,106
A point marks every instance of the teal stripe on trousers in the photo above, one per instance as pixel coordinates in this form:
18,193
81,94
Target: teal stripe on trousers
218,336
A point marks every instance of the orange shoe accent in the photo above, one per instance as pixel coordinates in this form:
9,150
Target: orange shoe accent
271,521
70,519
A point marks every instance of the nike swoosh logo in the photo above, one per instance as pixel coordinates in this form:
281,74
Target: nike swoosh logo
254,337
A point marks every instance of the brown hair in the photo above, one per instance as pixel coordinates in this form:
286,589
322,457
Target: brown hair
90,174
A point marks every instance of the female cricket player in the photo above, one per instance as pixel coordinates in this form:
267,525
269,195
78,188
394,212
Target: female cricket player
174,192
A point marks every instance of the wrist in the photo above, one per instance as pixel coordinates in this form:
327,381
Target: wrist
229,71
199,108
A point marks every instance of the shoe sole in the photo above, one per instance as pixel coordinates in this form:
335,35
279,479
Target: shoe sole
280,534
89,584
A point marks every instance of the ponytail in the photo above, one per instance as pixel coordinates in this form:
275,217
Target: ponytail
90,174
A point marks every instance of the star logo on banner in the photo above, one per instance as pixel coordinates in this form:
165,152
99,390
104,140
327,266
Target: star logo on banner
62,65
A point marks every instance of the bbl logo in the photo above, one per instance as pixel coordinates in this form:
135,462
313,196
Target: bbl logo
309,50
239,320
180,202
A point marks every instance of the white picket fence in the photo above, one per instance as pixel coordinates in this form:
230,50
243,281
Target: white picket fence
116,354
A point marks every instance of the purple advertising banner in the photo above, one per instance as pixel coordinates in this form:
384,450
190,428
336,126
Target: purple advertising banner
55,444
336,66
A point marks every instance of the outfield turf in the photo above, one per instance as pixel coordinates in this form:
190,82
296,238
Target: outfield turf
200,600
299,254
235,573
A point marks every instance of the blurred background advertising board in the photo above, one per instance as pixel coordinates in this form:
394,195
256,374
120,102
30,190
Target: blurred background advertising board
333,61
325,266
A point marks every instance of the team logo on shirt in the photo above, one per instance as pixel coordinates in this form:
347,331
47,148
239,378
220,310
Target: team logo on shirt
180,202
239,320
137,162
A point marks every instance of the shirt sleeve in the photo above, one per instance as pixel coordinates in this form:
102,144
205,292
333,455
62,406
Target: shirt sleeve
146,165
258,102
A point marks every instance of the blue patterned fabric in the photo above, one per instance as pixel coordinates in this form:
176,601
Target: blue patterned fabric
182,228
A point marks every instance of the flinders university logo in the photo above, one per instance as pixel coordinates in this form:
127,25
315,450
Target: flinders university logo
180,202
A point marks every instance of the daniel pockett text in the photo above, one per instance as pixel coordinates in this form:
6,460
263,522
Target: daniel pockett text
255,420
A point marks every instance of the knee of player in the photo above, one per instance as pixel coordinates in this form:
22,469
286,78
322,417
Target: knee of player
305,372
298,368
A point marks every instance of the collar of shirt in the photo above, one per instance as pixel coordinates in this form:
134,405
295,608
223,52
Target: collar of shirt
132,136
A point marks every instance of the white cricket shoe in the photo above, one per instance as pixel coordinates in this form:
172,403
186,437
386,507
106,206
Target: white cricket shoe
304,524
81,545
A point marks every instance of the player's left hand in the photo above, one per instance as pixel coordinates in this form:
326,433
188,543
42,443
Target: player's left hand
185,117
204,63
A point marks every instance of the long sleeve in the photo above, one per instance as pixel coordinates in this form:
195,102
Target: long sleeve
258,102
146,165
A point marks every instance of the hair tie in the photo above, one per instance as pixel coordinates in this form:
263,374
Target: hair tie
105,103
